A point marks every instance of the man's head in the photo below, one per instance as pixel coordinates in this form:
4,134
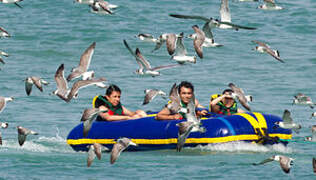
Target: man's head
113,94
228,100
186,91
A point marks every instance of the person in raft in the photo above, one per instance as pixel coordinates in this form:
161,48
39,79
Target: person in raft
116,111
224,104
186,91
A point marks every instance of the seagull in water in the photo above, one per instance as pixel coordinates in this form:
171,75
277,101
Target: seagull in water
3,125
22,133
287,122
269,5
209,39
150,94
29,81
4,33
12,2
223,23
88,117
3,102
121,145
264,48
285,162
102,7
82,69
313,137
181,52
302,99
239,93
145,67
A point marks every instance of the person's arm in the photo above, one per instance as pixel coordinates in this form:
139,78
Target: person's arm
106,116
165,114
202,112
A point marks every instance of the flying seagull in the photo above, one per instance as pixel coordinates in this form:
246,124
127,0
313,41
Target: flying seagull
287,122
29,81
101,6
4,33
150,94
88,117
181,52
264,48
82,69
62,86
144,66
121,145
3,102
285,162
22,133
240,96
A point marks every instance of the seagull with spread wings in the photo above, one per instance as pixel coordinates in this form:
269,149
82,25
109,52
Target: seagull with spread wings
285,162
265,48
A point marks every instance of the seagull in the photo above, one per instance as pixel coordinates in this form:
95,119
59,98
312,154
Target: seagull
209,39
2,53
12,1
120,146
302,99
313,137
174,105
84,83
3,102
3,125
84,63
22,133
145,67
4,33
62,86
240,96
269,5
101,6
150,94
264,48
29,81
198,41
87,118
171,42
285,162
147,37
95,150
287,122
181,52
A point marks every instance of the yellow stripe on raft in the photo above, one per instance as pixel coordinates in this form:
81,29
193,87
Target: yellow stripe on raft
174,140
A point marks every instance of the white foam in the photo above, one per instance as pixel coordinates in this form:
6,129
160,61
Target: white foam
244,147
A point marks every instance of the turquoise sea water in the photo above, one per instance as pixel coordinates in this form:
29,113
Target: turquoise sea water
48,33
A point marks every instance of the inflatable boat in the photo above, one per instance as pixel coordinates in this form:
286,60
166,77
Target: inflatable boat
152,134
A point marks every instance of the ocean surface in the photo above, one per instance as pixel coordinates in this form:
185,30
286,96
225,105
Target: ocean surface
48,33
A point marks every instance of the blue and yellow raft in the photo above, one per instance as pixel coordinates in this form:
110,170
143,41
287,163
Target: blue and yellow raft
151,134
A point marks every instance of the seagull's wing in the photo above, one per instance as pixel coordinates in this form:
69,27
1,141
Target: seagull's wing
150,95
241,96
1,29
2,61
141,58
265,161
198,41
189,17
104,5
171,43
85,58
271,52
18,5
0,138
285,163
287,117
60,79
131,51
207,30
261,44
28,87
158,45
180,49
2,103
37,82
116,151
21,139
91,155
165,67
224,11
235,26
314,132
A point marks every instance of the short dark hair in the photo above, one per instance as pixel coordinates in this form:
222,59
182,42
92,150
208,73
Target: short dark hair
112,88
185,84
228,90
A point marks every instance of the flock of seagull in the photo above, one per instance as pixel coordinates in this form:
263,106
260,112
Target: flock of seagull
202,38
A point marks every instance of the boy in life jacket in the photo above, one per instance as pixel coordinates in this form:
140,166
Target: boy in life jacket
224,104
116,111
186,91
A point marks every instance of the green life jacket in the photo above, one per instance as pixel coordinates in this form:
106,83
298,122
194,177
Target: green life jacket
227,110
184,106
113,110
